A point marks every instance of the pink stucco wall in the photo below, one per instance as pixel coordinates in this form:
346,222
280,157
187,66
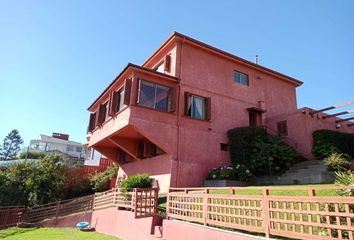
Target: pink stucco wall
178,230
67,221
122,224
301,125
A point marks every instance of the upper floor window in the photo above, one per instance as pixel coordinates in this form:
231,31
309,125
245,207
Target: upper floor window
197,107
160,68
156,96
241,78
102,113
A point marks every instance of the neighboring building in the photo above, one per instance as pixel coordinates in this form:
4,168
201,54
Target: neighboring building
58,142
169,117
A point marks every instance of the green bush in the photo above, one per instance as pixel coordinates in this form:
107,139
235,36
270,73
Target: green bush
239,173
345,179
137,181
337,162
100,181
32,155
326,142
260,152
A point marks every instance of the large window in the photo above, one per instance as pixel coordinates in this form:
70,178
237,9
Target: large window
241,78
197,107
155,96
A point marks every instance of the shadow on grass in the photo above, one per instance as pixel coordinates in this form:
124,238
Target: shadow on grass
14,231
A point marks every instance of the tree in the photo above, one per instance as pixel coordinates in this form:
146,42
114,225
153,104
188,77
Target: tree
33,182
11,145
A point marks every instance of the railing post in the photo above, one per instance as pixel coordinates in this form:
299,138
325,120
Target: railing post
266,213
168,203
156,199
134,202
93,202
57,211
205,207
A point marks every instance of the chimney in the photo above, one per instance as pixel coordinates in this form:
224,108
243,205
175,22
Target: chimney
256,59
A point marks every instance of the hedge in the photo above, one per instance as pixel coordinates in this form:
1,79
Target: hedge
260,152
326,142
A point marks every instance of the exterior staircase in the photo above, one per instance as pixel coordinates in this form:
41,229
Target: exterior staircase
306,172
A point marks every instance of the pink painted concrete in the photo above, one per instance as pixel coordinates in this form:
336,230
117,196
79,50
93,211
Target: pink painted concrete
178,230
67,221
301,125
193,146
122,224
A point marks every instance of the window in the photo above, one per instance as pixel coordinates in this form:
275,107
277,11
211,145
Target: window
70,148
197,107
120,98
92,123
160,68
156,96
102,113
282,127
78,149
147,149
241,78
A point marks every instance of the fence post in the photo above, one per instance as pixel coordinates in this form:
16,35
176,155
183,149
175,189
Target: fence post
135,202
168,203
205,206
156,199
57,211
265,213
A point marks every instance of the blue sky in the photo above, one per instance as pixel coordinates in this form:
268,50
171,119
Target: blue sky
56,57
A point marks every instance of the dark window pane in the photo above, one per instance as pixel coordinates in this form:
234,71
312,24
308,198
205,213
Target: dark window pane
121,100
161,98
147,94
241,78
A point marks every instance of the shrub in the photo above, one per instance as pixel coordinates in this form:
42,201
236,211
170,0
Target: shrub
100,181
337,162
238,172
137,181
326,142
32,155
345,179
260,152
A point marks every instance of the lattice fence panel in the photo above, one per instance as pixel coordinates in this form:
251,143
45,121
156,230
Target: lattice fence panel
186,207
312,217
235,212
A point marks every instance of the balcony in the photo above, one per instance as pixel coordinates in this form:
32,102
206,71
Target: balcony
128,118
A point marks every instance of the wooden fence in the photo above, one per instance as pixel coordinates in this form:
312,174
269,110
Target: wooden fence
58,209
142,201
256,209
11,215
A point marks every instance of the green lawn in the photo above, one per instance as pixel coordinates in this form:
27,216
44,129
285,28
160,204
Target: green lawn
51,234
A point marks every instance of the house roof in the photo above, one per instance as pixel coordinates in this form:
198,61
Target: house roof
225,54
136,67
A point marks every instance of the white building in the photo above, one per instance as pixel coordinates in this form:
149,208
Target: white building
57,142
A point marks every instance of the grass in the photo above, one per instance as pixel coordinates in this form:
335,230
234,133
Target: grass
51,234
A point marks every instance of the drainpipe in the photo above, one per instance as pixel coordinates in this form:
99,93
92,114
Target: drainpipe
178,113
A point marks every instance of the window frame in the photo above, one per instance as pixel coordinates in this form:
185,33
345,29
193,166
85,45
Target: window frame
241,73
207,106
170,99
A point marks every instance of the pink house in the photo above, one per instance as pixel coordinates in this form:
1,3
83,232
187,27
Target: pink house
169,117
